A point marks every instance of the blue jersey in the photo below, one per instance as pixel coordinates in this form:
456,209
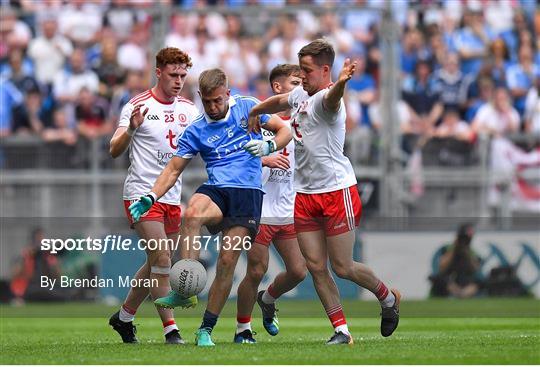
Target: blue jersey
221,143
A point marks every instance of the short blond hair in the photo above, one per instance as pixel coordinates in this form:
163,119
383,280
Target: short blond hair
211,79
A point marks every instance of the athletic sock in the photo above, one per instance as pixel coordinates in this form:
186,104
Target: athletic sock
337,318
127,314
269,296
243,323
209,321
169,326
385,297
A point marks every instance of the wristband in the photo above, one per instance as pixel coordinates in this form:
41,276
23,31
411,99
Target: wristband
272,145
152,197
130,131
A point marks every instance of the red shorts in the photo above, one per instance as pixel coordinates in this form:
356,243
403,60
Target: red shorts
335,212
167,214
269,232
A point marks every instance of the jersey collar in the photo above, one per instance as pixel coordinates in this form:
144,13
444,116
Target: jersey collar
232,102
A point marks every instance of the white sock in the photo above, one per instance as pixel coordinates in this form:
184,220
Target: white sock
389,300
126,316
267,298
343,328
241,326
169,328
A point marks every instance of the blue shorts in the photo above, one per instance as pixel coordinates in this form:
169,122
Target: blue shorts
240,207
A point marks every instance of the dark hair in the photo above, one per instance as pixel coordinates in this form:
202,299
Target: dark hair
172,55
321,50
284,70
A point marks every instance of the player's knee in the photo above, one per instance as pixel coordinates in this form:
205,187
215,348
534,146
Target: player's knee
317,270
297,273
256,272
192,217
227,260
341,270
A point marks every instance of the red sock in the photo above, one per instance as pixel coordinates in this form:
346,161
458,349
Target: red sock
169,326
381,292
270,291
336,316
243,319
129,310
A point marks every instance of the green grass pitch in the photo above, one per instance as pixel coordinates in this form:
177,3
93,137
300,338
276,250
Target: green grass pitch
480,331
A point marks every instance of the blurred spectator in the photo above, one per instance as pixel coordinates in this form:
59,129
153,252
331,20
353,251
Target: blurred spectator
450,84
68,83
110,74
458,273
511,37
340,38
521,77
10,98
120,18
60,131
27,119
133,85
438,50
486,87
91,115
532,110
472,42
49,51
182,35
497,118
14,33
81,20
28,269
284,48
413,48
132,54
359,22
419,94
20,72
361,93
498,62
453,127
499,15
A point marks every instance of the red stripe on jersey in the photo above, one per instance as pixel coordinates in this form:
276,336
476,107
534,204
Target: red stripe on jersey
159,100
182,99
140,95
141,100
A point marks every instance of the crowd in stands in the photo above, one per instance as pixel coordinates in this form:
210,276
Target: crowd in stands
468,67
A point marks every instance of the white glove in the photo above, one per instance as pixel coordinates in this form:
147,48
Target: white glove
260,148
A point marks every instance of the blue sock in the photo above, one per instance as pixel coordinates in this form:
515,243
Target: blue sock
209,321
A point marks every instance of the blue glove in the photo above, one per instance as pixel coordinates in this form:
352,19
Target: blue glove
138,208
260,148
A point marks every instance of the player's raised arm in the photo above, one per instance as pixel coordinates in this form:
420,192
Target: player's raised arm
273,104
122,136
333,97
164,182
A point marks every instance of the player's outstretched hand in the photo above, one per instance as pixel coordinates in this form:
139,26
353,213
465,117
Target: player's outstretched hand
277,161
347,71
254,124
141,206
137,117
258,148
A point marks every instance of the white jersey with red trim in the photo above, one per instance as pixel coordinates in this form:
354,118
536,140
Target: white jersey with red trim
154,143
278,184
319,137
